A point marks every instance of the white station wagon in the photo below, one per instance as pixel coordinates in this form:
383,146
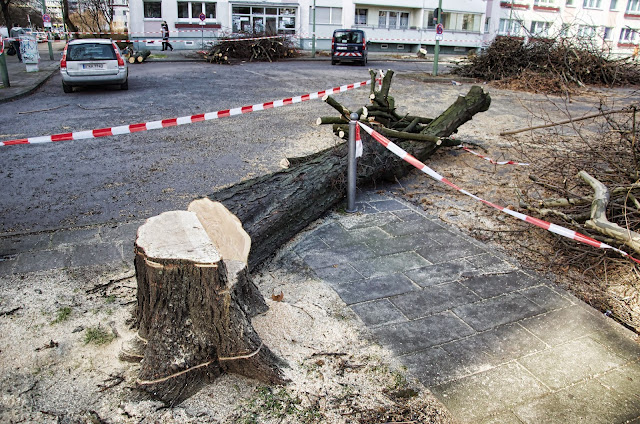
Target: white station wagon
92,61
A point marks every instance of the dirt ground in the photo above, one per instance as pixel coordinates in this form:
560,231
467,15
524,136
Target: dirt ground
61,331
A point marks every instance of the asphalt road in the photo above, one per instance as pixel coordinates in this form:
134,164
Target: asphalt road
128,177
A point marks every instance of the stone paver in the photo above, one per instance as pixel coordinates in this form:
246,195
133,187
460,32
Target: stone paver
496,344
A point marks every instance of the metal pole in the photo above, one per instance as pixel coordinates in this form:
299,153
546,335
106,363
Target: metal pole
436,50
351,169
44,11
313,35
3,70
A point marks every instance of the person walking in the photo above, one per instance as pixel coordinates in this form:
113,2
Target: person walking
166,45
16,32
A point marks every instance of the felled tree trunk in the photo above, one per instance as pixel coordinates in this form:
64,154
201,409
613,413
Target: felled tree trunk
275,207
195,305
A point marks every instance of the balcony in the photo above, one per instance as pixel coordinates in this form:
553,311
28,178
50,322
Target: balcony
514,5
414,35
546,8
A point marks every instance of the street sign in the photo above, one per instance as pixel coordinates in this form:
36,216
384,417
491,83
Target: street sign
203,17
439,32
46,18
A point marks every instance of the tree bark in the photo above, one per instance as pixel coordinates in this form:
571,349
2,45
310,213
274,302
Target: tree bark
599,221
275,207
66,18
195,307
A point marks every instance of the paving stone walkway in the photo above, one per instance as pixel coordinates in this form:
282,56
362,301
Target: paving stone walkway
67,248
494,343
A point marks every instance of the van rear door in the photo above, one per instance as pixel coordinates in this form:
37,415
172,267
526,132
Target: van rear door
350,42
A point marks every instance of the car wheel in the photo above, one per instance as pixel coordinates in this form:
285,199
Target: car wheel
67,88
125,85
364,62
333,62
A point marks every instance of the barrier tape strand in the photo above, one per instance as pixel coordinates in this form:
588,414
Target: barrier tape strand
488,159
172,122
556,229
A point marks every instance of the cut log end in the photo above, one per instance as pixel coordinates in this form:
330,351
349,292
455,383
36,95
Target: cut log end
195,303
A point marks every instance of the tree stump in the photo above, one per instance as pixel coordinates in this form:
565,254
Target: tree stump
195,304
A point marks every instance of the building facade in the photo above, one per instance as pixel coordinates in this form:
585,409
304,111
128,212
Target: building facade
611,25
390,25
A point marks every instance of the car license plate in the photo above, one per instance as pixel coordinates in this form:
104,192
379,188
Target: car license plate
92,65
341,48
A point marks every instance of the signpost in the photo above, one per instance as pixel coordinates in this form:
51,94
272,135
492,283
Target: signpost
440,27
3,65
202,18
46,19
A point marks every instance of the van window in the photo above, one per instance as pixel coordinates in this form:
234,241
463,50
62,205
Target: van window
91,51
348,37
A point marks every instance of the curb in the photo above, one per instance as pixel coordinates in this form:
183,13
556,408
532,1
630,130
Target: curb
27,91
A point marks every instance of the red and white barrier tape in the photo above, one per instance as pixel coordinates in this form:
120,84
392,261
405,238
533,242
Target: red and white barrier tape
154,125
556,229
507,162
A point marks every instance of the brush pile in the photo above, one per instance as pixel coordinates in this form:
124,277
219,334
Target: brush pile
549,65
250,48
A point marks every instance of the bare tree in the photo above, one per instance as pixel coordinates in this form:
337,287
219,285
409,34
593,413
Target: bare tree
95,15
66,18
12,16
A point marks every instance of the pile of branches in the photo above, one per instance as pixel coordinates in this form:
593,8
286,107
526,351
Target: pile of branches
382,113
552,65
266,49
591,183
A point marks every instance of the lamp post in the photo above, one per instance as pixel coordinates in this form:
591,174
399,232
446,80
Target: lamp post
313,35
436,50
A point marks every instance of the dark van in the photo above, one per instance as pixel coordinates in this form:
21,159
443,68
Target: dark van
349,45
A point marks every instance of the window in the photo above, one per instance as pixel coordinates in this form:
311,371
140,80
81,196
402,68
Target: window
193,9
183,9
471,22
564,30
382,19
210,10
486,24
592,4
586,31
544,2
431,21
627,35
361,16
633,6
326,15
539,28
152,9
613,5
462,21
608,34
569,3
404,20
392,19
